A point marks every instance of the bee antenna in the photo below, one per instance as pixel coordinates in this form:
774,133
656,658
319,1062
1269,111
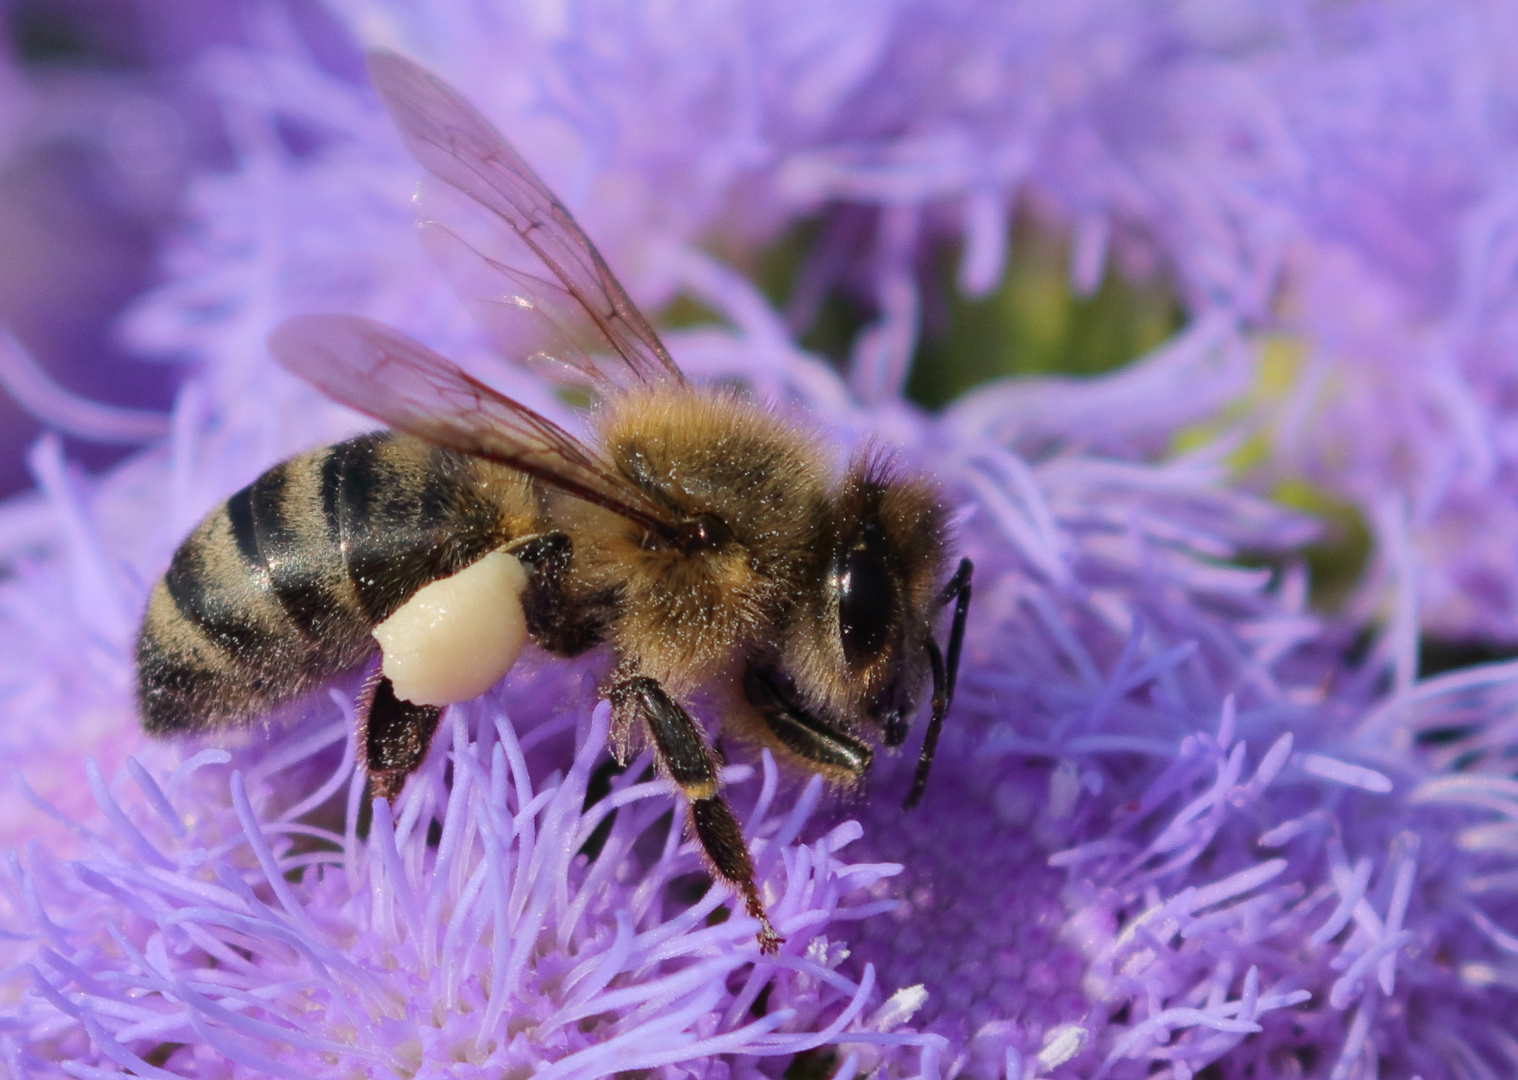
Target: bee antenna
958,590
935,725
944,676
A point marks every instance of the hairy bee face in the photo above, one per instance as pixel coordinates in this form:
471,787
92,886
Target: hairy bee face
856,653
882,590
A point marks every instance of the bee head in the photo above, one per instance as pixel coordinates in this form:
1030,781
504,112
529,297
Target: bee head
882,585
860,654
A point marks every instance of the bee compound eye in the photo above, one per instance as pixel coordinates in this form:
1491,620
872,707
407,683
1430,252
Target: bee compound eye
703,534
866,600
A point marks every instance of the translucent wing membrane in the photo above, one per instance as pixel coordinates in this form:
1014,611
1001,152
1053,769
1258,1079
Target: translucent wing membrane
401,382
530,274
527,311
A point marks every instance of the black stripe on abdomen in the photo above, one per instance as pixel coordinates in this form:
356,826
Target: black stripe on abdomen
404,514
195,591
244,528
294,560
179,692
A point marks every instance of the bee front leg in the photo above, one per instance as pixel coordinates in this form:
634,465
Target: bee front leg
944,676
393,736
826,749
682,753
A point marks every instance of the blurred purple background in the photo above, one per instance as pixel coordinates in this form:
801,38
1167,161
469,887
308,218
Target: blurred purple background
103,120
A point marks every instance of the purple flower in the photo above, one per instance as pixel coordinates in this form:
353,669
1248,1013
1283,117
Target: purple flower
232,915
1171,827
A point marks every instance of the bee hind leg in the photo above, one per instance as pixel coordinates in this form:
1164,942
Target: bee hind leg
683,754
393,736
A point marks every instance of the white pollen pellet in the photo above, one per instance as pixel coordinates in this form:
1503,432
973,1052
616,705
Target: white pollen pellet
456,637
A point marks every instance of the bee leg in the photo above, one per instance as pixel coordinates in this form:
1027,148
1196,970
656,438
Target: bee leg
683,754
554,623
944,676
393,736
826,749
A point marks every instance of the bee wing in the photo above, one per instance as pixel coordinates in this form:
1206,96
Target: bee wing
380,371
539,286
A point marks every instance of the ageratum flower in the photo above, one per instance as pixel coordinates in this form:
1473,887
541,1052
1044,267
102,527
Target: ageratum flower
216,924
1170,827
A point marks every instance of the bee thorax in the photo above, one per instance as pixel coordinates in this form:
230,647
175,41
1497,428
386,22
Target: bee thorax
456,637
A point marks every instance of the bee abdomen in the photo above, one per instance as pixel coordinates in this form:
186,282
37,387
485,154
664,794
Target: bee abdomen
278,589
254,610
405,513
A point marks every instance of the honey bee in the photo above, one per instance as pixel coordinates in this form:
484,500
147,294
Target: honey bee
700,536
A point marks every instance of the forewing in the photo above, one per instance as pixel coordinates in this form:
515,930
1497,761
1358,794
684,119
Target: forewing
399,381
540,287
518,301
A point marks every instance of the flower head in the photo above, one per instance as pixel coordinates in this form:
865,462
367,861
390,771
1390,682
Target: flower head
1172,826
498,921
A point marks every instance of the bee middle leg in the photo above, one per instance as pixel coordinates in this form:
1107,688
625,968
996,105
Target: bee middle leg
684,755
393,736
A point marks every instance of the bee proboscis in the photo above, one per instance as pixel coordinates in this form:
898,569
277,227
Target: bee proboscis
699,535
